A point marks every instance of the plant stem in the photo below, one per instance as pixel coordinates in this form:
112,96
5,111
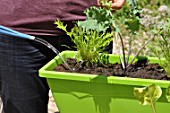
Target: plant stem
129,50
121,61
124,59
153,106
140,51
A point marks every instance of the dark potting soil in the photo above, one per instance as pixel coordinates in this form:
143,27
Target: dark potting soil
137,70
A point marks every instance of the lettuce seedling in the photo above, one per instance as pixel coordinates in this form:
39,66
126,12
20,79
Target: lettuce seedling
91,36
89,43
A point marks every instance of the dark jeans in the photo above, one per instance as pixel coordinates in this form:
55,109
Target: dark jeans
22,90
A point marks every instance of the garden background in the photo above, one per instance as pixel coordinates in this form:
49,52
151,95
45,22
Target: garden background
152,15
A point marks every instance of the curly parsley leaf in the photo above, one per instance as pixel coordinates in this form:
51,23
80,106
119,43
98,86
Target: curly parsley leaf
99,19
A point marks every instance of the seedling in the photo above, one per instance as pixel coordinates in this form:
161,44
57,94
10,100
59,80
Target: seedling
148,95
91,36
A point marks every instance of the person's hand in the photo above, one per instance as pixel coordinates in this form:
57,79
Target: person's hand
116,4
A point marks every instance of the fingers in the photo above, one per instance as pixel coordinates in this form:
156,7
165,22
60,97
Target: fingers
98,3
117,4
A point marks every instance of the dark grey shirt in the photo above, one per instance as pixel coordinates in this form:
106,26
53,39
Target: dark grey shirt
36,17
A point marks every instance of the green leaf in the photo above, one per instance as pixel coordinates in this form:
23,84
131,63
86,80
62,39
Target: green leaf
148,95
168,94
133,24
107,4
91,25
140,94
99,19
60,25
142,58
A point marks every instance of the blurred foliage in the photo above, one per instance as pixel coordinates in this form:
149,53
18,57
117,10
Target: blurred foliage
161,48
151,14
153,4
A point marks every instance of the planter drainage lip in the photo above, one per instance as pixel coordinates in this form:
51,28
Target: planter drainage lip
47,72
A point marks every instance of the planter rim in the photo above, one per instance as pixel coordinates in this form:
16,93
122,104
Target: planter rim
49,73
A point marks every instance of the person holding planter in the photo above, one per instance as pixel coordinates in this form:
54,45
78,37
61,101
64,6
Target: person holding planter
21,89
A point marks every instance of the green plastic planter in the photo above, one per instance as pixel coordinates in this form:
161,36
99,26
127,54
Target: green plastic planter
85,93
